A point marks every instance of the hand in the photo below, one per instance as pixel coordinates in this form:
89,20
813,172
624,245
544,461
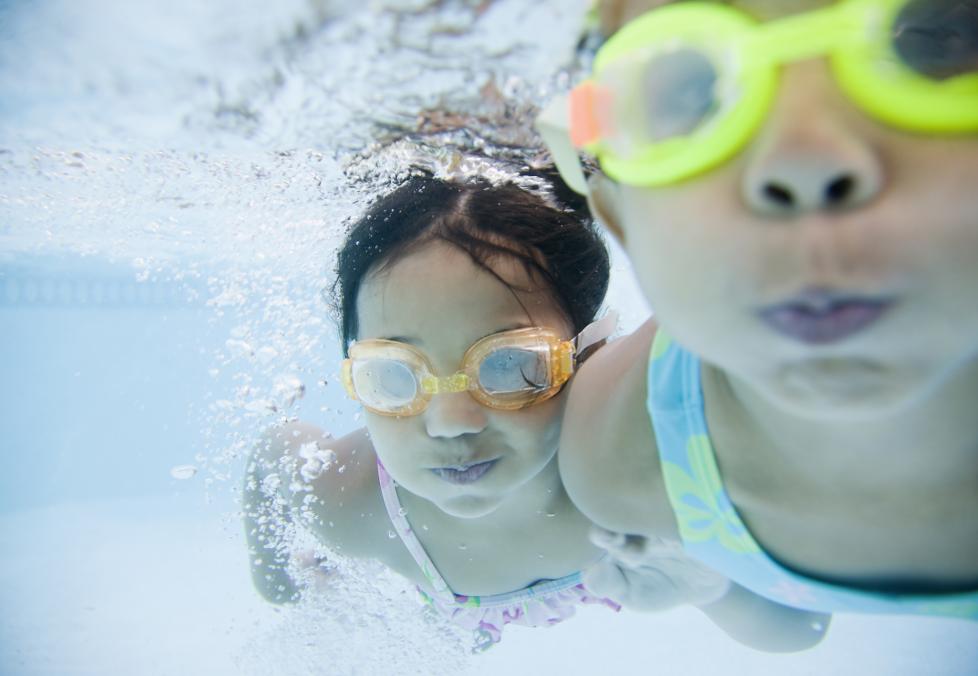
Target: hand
311,569
650,574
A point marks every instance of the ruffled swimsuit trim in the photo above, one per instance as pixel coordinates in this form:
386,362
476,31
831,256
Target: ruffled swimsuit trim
541,604
709,525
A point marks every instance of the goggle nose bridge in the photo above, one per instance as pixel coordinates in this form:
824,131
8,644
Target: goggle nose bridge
457,382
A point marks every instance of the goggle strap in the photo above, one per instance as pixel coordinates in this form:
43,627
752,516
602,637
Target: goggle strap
594,333
553,125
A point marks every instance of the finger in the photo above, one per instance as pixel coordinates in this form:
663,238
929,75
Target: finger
623,547
651,591
632,551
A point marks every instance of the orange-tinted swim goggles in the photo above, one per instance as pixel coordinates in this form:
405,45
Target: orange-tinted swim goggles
507,371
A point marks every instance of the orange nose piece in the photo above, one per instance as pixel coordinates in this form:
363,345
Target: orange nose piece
587,103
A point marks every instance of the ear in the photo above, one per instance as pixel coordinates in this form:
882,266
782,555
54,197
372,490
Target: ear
603,201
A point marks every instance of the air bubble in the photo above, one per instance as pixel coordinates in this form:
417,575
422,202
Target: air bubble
183,472
238,348
266,354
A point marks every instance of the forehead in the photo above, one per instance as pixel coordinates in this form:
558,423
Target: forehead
438,297
620,12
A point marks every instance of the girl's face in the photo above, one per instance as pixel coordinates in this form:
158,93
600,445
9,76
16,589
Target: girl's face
439,301
832,264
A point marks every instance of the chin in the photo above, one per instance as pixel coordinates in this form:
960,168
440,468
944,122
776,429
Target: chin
470,506
842,389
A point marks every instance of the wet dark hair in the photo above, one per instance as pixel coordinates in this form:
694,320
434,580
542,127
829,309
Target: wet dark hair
557,243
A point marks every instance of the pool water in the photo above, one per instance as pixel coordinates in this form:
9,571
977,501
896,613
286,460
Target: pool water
174,181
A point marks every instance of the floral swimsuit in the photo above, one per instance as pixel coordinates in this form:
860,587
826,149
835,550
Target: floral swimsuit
709,525
541,604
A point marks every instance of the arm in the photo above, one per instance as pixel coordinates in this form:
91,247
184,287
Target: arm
269,532
608,460
289,482
649,574
610,468
765,625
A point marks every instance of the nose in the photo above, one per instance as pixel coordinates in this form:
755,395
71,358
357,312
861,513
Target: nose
809,156
453,415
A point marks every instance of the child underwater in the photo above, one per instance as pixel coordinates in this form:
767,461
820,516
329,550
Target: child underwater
464,309
796,192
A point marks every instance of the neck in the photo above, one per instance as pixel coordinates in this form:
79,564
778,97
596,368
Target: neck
933,438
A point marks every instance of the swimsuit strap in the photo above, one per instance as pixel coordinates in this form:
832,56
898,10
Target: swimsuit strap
397,514
444,593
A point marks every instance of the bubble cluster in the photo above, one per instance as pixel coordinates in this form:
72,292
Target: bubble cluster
219,150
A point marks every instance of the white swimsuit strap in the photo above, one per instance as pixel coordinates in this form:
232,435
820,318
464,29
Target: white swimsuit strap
396,513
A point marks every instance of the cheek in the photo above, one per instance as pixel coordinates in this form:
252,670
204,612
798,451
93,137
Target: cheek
532,429
683,246
392,437
924,227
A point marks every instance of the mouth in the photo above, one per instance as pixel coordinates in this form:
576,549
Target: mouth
821,316
464,474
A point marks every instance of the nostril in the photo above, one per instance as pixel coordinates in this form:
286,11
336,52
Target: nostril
778,194
840,190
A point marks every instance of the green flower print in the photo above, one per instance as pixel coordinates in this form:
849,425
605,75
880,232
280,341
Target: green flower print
696,500
660,344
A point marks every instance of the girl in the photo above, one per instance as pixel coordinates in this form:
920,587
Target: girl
806,231
464,308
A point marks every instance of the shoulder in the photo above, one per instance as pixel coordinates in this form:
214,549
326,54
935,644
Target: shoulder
331,482
608,459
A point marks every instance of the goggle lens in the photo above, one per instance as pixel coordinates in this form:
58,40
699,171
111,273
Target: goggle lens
512,370
680,93
384,384
937,38
663,96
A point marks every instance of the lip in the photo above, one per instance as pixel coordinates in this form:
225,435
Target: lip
464,474
823,316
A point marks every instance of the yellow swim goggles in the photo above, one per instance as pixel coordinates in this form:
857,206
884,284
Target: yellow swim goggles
683,88
508,370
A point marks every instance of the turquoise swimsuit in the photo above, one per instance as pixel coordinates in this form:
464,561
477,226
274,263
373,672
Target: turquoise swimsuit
709,525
